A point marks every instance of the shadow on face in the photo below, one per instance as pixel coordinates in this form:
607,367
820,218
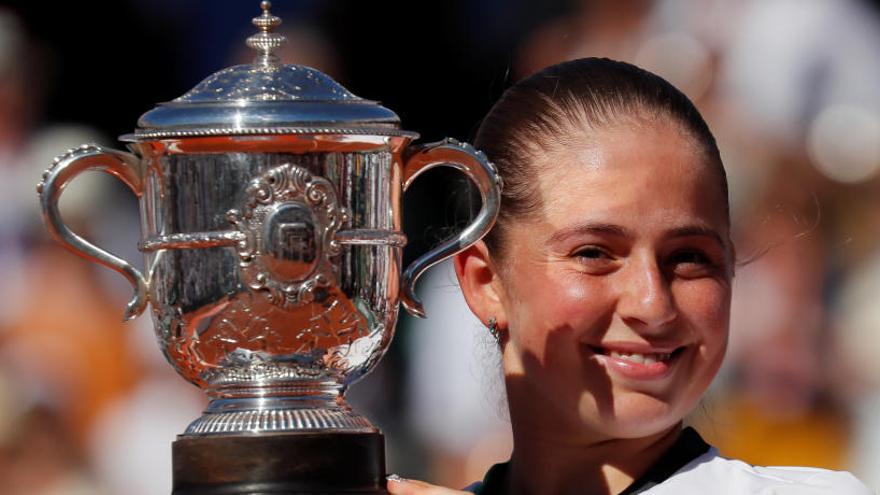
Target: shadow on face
547,397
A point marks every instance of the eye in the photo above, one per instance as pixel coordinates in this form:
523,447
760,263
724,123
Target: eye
691,263
592,253
690,256
594,259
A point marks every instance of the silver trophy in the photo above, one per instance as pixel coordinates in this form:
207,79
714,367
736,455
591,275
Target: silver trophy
270,202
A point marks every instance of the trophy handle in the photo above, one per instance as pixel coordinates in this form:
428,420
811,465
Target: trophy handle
482,172
123,166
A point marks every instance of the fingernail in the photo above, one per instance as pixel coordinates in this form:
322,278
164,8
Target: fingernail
395,478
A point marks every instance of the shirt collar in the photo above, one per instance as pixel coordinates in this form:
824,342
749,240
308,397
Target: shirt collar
686,448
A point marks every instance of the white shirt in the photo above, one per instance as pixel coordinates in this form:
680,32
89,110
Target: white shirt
703,471
712,474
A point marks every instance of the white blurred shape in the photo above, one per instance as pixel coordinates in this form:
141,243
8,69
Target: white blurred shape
19,204
858,316
858,320
793,58
131,446
867,440
456,388
844,143
83,197
679,58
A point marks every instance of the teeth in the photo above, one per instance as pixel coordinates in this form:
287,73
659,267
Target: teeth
640,358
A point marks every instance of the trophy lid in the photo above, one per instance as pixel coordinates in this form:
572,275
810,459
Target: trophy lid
267,97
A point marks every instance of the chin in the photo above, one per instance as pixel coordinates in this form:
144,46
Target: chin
633,415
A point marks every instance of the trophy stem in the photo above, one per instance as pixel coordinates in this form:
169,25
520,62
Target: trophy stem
290,407
324,391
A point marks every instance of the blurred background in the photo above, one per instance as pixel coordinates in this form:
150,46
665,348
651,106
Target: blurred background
791,89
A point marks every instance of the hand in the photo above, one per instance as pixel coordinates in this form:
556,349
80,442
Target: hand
401,486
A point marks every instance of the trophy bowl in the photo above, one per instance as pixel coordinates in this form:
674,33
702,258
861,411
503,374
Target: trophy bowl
270,204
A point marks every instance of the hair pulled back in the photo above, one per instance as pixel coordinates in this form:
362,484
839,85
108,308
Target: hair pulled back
540,111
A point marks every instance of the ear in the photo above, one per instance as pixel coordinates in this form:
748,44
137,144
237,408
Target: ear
480,283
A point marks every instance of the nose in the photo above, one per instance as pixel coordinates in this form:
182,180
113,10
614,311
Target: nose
646,299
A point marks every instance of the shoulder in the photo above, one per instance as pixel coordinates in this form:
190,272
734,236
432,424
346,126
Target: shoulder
711,473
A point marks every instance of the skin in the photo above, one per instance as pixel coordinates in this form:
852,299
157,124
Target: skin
630,251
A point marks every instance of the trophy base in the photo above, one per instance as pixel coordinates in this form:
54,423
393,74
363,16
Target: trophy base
280,463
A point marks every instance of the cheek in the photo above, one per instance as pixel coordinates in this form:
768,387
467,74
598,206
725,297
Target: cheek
555,308
705,304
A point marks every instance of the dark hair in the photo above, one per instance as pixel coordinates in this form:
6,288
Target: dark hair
538,112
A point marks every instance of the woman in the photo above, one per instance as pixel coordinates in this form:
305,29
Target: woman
607,282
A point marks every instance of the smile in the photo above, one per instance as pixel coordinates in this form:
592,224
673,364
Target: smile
641,358
642,365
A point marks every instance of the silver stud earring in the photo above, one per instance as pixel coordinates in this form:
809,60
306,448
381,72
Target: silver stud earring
493,328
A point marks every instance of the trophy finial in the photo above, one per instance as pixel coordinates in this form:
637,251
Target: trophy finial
266,41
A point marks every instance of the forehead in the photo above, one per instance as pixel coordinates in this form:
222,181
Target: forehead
650,171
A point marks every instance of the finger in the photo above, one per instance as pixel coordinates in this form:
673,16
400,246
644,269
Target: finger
402,486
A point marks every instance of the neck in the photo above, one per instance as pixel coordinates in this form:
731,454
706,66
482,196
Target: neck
550,466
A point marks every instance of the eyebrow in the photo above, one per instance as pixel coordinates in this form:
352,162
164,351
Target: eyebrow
697,230
624,233
591,228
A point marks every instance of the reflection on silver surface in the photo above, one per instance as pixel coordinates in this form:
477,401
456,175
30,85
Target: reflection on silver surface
272,252
285,308
195,193
274,276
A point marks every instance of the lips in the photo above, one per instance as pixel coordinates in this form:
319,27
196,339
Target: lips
638,362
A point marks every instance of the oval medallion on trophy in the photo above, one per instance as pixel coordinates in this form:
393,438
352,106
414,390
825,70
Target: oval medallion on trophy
288,221
290,249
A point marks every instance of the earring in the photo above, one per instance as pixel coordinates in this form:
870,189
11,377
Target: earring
493,329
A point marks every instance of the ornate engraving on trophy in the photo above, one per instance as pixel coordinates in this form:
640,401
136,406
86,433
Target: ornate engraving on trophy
254,333
249,338
288,223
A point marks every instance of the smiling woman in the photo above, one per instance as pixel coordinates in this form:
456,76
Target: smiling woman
608,282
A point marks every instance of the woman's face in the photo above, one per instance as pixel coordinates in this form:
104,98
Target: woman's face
616,294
